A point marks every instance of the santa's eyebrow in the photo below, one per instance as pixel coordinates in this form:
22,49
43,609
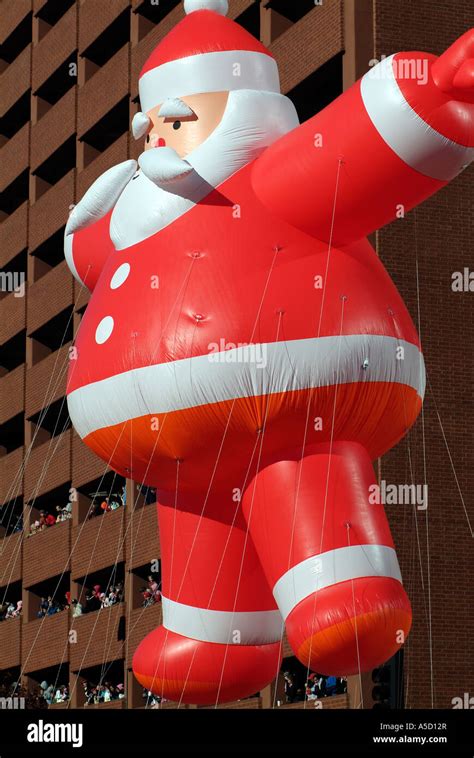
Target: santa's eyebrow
175,108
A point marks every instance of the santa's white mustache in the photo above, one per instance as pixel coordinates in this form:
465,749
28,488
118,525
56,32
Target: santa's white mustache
163,165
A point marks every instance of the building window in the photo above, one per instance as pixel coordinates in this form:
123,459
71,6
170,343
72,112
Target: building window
101,684
150,14
48,255
48,686
52,335
101,496
11,517
47,598
56,86
109,128
107,44
16,117
16,193
250,19
17,41
318,89
50,509
51,13
12,434
101,589
145,587
12,352
50,422
292,10
60,163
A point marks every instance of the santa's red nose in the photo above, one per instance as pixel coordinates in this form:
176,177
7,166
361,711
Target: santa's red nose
161,142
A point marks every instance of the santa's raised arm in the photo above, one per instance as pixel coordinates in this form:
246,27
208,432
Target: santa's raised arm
386,144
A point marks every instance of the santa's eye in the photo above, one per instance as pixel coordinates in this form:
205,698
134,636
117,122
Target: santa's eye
147,137
177,125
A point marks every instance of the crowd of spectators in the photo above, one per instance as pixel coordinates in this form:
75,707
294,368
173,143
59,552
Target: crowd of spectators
9,610
54,693
152,700
103,693
315,687
108,503
10,687
49,606
46,519
150,592
97,599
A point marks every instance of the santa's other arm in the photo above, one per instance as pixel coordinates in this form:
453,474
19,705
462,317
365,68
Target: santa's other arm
390,141
87,242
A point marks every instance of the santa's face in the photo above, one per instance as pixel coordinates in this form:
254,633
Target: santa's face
219,133
185,123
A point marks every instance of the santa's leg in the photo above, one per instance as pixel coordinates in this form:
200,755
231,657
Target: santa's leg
328,555
220,638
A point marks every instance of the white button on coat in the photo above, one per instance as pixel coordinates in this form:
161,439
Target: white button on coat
104,330
120,276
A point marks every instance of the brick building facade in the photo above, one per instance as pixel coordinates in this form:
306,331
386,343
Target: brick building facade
68,90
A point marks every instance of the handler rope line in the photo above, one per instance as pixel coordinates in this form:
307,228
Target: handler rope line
44,407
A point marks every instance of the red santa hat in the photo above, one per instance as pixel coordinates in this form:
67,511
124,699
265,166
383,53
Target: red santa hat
206,52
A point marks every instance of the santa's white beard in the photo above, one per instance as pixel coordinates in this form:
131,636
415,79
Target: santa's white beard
167,186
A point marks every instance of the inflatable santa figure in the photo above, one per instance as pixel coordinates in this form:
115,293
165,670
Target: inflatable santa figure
245,352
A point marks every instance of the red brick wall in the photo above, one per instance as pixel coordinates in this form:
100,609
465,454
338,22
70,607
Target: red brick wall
440,232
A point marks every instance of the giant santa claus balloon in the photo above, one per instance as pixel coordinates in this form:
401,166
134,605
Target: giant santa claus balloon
245,352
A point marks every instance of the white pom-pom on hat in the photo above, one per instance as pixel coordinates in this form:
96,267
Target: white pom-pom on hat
218,6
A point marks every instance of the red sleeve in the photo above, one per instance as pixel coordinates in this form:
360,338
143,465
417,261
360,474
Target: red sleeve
87,250
373,154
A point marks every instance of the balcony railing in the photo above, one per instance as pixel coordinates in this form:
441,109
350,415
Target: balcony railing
12,387
16,79
45,642
12,316
14,156
11,476
49,296
140,622
46,380
13,234
10,558
143,544
96,640
97,97
96,17
53,545
54,48
10,636
48,466
53,129
50,212
98,543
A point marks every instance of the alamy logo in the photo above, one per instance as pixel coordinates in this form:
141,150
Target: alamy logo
466,701
44,732
242,352
415,69
12,703
399,494
13,281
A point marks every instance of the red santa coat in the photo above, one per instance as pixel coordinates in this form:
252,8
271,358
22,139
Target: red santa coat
274,257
